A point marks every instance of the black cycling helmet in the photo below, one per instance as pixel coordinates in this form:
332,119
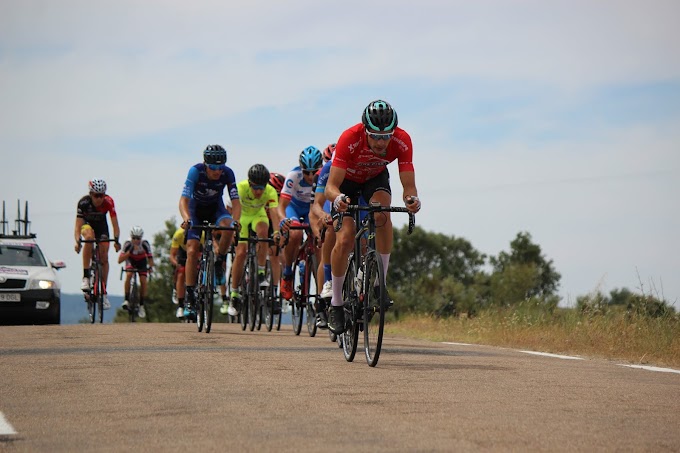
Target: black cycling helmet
258,175
379,116
215,155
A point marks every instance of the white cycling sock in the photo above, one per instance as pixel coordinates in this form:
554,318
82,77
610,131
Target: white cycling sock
338,282
385,257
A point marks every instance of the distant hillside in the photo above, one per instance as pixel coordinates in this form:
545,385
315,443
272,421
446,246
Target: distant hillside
74,309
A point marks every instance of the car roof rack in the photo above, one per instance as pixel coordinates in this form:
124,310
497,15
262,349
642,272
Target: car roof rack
23,226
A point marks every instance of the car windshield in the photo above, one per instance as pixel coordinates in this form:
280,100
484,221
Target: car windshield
21,255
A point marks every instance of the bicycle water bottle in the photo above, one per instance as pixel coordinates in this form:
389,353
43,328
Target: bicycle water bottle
358,280
302,271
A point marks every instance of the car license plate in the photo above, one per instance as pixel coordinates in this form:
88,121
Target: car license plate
10,297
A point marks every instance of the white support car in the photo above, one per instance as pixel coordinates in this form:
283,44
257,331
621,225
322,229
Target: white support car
30,291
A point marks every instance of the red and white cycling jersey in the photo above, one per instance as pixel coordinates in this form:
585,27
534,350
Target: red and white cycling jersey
353,154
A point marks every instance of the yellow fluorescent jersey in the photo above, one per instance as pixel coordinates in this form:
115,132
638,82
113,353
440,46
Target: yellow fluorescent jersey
251,206
178,239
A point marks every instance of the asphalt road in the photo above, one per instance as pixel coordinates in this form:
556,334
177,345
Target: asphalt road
166,387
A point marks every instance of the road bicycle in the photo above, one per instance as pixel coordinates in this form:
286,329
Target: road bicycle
364,292
94,295
206,285
305,294
257,302
133,301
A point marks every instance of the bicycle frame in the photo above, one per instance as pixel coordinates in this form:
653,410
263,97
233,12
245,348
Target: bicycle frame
205,285
95,295
252,302
135,294
305,297
366,295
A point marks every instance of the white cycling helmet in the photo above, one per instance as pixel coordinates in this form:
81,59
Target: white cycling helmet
97,186
137,231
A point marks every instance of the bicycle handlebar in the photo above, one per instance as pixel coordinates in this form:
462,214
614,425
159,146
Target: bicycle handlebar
207,227
377,208
97,241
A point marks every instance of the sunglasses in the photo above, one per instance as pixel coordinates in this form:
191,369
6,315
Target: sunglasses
136,238
214,167
380,136
256,187
98,195
308,172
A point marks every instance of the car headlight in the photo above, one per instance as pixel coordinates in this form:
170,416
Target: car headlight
45,284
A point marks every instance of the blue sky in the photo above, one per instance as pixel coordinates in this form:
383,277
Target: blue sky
558,118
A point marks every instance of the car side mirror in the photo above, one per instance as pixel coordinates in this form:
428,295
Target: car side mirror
58,265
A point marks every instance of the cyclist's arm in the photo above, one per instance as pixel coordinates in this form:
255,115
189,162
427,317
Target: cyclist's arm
116,227
79,225
184,208
335,179
408,182
236,209
275,218
316,213
173,255
283,204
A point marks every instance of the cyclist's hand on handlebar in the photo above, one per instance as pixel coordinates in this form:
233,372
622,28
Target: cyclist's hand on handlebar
412,203
78,247
186,224
116,245
341,202
285,223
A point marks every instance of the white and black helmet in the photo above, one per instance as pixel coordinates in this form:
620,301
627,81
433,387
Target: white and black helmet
97,186
137,231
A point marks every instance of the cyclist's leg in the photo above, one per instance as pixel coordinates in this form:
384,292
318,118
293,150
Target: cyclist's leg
87,233
378,189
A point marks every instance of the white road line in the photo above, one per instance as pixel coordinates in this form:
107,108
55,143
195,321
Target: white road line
652,368
457,344
557,356
5,427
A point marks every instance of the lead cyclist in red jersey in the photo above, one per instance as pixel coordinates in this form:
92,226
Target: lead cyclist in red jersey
360,168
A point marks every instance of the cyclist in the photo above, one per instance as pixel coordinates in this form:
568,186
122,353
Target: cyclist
296,198
178,258
202,200
91,223
328,152
136,253
276,180
255,194
319,217
359,167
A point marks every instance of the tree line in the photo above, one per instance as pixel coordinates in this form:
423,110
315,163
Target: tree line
444,275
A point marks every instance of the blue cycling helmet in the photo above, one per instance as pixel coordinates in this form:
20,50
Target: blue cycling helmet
379,116
310,158
215,154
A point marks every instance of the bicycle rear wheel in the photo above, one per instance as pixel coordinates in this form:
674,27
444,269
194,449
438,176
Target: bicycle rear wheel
374,307
310,294
350,336
208,294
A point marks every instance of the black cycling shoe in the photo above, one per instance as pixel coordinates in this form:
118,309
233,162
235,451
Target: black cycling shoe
390,302
336,320
322,320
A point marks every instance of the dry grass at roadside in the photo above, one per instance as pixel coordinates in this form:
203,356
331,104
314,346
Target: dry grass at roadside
616,336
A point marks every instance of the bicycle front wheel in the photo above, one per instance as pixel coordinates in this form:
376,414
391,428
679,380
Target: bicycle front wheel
268,298
350,336
252,294
297,303
134,302
100,294
309,295
374,307
208,294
